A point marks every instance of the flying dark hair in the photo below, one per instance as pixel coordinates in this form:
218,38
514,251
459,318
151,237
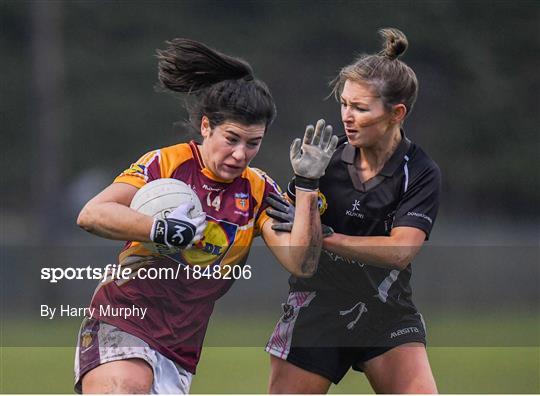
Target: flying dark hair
222,87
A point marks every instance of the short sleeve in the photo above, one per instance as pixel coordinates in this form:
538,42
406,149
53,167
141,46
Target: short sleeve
144,170
420,202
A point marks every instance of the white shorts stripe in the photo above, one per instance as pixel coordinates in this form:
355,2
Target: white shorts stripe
279,344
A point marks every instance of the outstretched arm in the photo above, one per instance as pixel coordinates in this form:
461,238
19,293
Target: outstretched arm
299,250
395,251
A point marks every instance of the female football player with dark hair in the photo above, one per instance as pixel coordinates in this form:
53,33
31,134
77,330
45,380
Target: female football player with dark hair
380,195
158,352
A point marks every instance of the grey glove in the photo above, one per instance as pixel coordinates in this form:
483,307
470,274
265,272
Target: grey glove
310,157
283,211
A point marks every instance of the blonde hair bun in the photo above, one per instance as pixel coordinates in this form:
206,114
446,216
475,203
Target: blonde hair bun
395,43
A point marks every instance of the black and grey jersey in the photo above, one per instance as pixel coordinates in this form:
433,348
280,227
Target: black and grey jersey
404,193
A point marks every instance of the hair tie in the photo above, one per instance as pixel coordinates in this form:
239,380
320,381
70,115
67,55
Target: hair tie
248,77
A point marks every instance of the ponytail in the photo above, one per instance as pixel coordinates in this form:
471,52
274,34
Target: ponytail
188,66
223,87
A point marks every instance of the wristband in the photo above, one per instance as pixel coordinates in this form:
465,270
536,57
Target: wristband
172,232
157,234
305,184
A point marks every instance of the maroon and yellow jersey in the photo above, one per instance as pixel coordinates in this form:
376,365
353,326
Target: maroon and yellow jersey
179,308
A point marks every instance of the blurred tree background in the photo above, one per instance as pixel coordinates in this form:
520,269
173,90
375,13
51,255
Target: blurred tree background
79,103
79,106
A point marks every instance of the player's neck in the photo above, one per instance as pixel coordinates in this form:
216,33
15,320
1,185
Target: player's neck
372,159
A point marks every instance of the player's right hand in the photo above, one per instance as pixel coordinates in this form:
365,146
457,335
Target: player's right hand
178,229
310,156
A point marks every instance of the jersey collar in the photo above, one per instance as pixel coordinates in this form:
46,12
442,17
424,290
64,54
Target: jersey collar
349,156
396,159
196,154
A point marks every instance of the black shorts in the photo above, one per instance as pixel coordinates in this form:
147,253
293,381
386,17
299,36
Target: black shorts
328,336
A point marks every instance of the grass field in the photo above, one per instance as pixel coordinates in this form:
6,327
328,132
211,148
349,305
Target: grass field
235,369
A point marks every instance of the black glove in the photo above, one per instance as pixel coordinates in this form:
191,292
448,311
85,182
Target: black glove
178,230
283,211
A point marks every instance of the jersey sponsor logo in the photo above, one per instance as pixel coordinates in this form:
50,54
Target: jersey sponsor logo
354,211
406,330
354,214
322,203
335,257
243,214
241,200
218,237
208,188
423,216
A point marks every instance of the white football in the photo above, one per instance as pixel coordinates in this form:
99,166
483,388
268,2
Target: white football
160,197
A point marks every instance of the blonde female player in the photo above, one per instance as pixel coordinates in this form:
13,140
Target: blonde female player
158,353
380,194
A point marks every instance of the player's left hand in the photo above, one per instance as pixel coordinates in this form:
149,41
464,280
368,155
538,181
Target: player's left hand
283,211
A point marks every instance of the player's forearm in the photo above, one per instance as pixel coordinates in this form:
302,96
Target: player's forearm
115,221
379,251
306,236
